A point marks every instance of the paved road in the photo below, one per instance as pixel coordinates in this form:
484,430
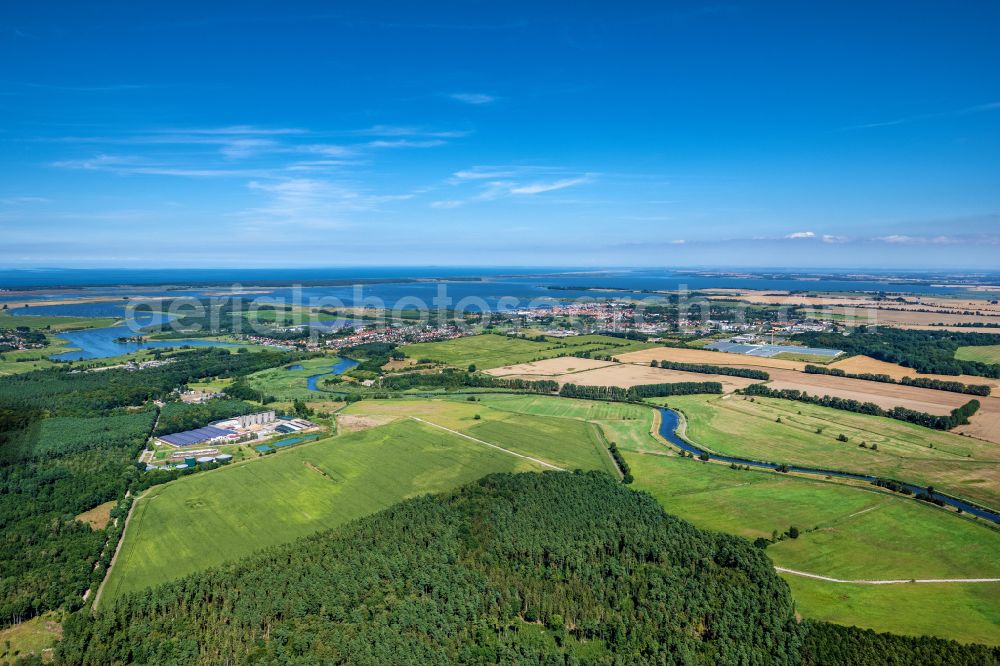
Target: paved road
805,574
492,446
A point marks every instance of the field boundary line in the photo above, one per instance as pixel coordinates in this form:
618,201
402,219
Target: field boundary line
898,581
493,446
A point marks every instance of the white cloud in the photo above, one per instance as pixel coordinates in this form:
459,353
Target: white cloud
829,238
405,143
802,234
473,98
447,203
402,130
538,188
679,241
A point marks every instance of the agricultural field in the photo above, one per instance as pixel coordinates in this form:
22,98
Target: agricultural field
884,395
965,612
566,443
630,426
687,355
626,375
866,364
221,515
853,531
984,354
492,351
549,368
961,466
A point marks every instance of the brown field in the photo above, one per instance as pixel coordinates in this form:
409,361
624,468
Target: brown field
627,375
356,422
681,355
958,305
985,424
98,517
550,367
883,395
862,364
959,329
912,318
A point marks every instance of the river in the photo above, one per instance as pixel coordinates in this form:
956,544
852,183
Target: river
670,420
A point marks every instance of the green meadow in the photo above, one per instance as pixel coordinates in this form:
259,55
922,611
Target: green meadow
569,443
851,533
222,515
984,354
287,385
492,351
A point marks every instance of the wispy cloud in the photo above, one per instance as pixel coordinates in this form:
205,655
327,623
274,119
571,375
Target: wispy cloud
969,110
405,143
473,98
538,188
801,234
408,131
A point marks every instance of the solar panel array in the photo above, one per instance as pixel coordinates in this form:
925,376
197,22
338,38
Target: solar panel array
189,437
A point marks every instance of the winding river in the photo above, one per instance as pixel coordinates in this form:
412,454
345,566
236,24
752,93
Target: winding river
670,420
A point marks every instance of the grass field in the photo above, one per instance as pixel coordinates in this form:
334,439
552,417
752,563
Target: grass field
35,636
569,443
968,613
492,351
984,354
963,466
213,517
861,534
627,425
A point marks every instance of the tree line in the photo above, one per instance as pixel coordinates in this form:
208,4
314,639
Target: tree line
637,393
927,352
958,416
708,369
921,382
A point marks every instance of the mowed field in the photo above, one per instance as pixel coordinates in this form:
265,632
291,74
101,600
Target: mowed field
549,368
566,443
962,466
492,351
849,533
222,515
886,396
863,364
619,374
685,355
984,354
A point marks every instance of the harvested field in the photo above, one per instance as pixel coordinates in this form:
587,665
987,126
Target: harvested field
883,395
356,422
682,355
629,374
863,364
984,424
549,367
911,318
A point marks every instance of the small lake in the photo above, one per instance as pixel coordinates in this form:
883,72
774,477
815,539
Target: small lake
100,342
669,421
338,368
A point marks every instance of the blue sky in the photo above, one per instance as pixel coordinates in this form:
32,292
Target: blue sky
578,134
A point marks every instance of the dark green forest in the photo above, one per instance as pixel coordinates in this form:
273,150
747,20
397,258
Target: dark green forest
474,577
69,442
550,568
